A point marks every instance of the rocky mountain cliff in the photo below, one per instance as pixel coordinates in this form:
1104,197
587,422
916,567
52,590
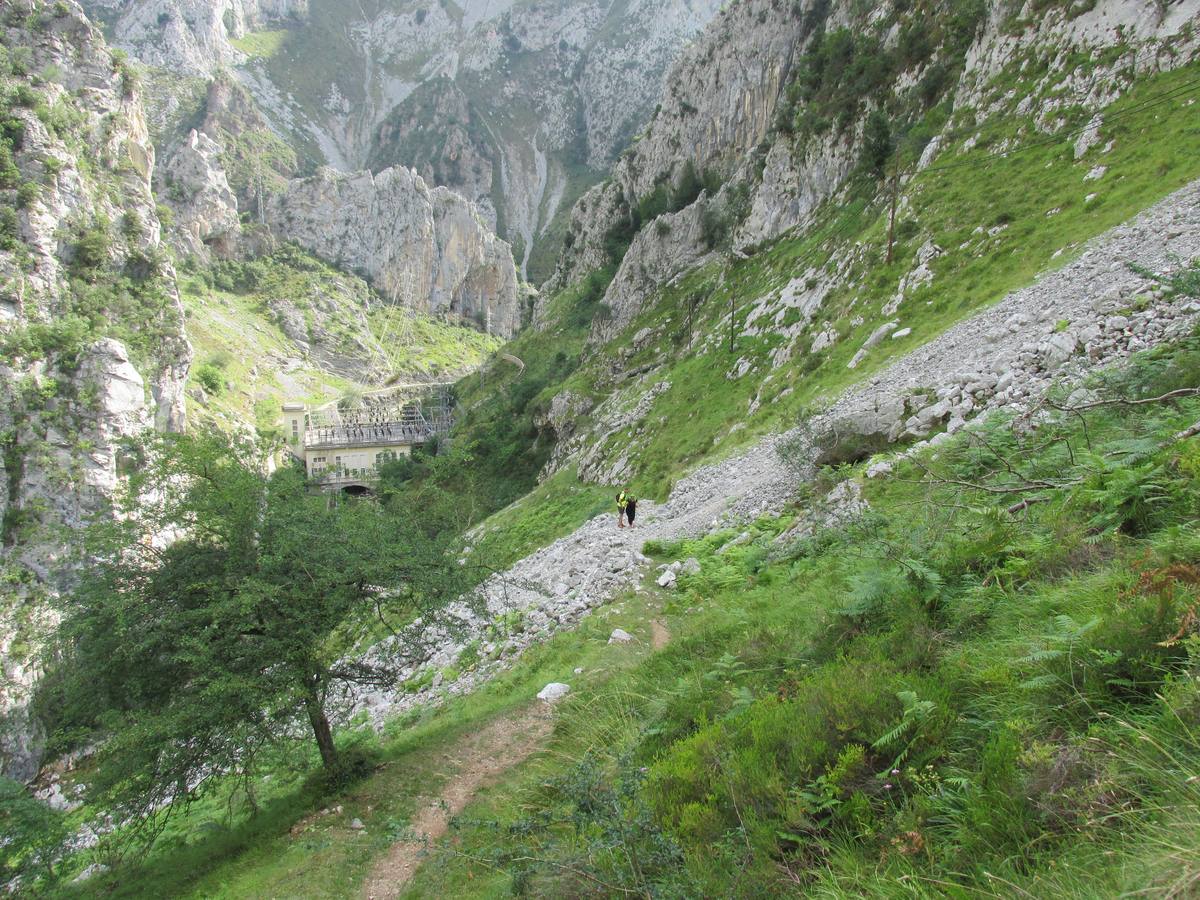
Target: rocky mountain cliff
90,317
192,37
771,112
231,188
424,245
518,106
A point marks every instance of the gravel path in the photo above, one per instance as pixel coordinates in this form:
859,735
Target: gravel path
1065,323
1006,355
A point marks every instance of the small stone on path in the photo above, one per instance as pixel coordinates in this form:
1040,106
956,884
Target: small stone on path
620,636
666,579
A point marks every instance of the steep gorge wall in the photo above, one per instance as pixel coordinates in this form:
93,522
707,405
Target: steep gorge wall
190,37
424,245
91,325
517,106
730,110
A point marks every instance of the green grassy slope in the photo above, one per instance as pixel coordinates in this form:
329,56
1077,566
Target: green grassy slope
941,697
246,366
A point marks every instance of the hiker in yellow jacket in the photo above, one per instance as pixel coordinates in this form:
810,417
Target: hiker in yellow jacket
626,508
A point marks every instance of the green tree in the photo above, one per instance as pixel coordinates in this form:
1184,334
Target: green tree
877,143
32,833
244,631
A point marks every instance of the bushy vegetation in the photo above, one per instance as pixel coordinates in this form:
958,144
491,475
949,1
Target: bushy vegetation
846,72
943,696
956,692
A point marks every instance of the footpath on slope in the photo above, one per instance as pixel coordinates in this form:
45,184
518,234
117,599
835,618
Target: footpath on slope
476,762
1007,355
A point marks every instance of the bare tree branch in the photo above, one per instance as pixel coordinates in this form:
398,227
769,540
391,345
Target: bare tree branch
1122,401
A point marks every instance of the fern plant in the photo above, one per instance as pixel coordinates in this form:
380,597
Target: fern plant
906,731
1127,496
1060,643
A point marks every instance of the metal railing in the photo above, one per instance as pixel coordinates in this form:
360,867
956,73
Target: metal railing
346,436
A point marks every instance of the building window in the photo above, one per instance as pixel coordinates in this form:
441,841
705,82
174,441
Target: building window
295,429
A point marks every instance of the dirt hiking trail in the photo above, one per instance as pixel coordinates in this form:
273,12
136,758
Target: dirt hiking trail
475,763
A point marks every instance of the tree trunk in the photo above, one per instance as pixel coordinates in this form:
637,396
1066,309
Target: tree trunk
321,731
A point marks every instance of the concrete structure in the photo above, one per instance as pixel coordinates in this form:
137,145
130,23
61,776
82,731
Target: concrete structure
344,449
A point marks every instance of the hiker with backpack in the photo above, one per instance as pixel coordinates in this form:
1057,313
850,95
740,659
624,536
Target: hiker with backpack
626,508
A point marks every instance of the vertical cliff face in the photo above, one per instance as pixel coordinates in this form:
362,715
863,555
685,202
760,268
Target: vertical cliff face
717,105
771,113
517,106
90,319
423,246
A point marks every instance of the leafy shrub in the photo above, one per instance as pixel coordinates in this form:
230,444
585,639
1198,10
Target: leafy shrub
131,225
10,227
210,377
10,175
34,833
687,188
1130,497
91,250
877,143
27,194
761,769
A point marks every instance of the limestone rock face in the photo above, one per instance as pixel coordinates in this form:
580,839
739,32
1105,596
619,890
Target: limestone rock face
794,184
717,105
192,37
722,98
517,106
671,246
437,132
66,405
206,213
406,239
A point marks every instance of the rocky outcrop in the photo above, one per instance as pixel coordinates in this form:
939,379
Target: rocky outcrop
206,210
716,107
727,107
90,321
437,132
426,247
516,106
671,246
192,37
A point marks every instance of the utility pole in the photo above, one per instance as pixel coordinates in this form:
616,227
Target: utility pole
892,219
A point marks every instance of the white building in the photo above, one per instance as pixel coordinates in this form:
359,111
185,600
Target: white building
345,450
